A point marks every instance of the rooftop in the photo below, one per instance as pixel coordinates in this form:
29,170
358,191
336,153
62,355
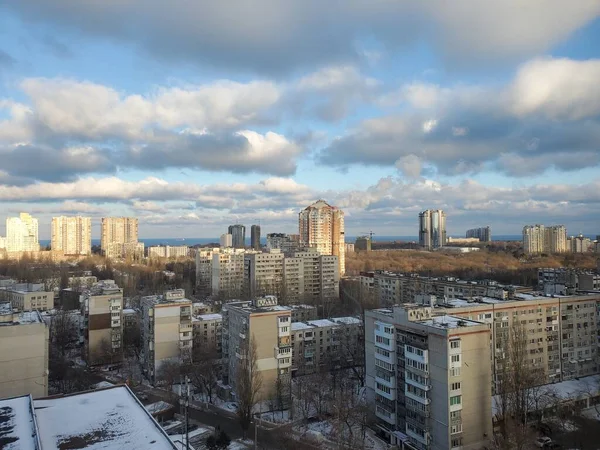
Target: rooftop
6,308
347,320
322,323
209,317
103,419
447,321
17,424
23,318
301,326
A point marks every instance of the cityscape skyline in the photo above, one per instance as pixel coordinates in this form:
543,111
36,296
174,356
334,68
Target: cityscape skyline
190,138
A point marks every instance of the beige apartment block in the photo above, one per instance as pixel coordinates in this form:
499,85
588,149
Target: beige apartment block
207,332
562,332
321,227
429,378
102,311
310,277
22,234
167,332
263,273
72,235
27,296
303,313
269,326
116,231
24,339
324,344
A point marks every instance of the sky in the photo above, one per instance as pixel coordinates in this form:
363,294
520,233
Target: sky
195,115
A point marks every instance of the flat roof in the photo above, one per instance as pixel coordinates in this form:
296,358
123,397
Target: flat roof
103,419
18,424
322,323
347,320
24,318
296,326
214,316
447,321
6,308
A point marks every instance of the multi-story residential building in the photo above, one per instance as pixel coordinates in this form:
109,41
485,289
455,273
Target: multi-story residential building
72,235
27,296
462,241
432,229
220,272
542,239
579,244
287,243
322,227
168,251
102,311
324,344
429,378
207,332
22,234
238,235
263,273
363,243
562,332
116,231
266,325
484,234
349,247
255,237
24,342
303,313
167,332
310,277
2,243
391,288
567,281
226,240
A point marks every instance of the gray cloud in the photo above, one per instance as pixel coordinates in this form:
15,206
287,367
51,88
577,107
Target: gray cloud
273,36
6,60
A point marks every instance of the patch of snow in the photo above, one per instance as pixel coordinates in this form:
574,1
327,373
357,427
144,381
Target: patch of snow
18,429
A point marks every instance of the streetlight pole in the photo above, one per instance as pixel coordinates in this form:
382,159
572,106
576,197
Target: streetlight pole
186,405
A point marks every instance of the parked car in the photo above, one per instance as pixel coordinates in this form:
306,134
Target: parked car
543,441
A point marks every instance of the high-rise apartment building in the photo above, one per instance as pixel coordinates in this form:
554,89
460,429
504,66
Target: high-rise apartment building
72,235
579,244
118,236
322,227
310,277
166,330
23,353
287,243
102,311
542,239
363,244
263,274
255,237
429,378
22,234
226,240
238,235
484,234
432,229
220,272
268,325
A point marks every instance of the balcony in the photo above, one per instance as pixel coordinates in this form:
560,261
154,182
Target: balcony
422,400
185,327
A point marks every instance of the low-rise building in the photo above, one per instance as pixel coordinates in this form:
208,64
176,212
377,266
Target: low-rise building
264,327
166,330
567,281
207,332
102,311
27,296
167,251
303,313
429,378
24,339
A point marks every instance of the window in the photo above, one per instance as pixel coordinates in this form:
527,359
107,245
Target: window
455,358
382,340
456,442
455,386
382,352
456,400
455,344
384,388
455,415
456,428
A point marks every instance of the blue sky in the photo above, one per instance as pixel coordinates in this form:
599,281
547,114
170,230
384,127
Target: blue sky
195,115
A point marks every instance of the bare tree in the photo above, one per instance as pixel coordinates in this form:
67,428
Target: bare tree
248,384
302,396
205,371
169,373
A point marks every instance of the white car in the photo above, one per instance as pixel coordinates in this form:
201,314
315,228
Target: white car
542,441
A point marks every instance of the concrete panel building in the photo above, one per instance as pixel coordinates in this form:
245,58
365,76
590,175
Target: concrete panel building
287,243
226,240
238,235
27,296
24,339
429,378
269,326
263,274
72,236
220,272
310,277
117,231
207,333
168,251
166,330
363,244
22,234
102,311
483,234
255,237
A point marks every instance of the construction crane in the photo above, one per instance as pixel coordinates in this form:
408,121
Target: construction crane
368,233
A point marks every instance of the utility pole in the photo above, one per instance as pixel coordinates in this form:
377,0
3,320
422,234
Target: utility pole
186,405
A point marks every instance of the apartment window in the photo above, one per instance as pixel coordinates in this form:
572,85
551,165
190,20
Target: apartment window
455,415
284,329
455,386
455,358
456,428
456,442
381,352
384,388
455,344
456,400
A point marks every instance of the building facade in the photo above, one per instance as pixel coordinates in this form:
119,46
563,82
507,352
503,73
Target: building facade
484,234
429,378
27,296
310,277
432,229
266,325
541,239
23,354
72,235
255,237
287,243
579,244
102,311
263,274
238,235
207,332
167,333
322,228
22,234
226,240
363,243
168,251
119,235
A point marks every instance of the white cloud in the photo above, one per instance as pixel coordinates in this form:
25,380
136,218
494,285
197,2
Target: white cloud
410,166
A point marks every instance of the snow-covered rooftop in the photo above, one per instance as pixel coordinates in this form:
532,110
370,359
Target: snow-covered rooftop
347,320
158,407
210,317
105,419
322,323
129,311
17,424
296,326
446,321
24,318
457,302
5,308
